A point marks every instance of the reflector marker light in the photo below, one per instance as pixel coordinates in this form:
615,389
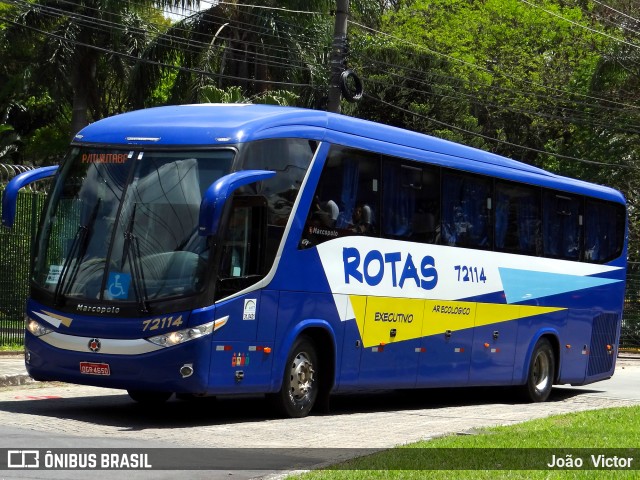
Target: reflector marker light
260,348
221,322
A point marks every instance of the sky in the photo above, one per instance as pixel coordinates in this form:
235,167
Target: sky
179,14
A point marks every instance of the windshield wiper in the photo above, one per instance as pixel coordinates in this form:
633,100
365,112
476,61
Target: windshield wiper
132,251
77,252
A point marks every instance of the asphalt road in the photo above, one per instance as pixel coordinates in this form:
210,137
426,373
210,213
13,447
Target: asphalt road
52,416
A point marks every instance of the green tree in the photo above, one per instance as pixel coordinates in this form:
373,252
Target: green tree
231,44
511,67
80,53
551,76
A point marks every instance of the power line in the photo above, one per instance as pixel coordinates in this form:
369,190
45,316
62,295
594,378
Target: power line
153,62
453,80
617,25
265,7
536,113
478,67
238,25
96,25
593,30
187,44
617,11
504,142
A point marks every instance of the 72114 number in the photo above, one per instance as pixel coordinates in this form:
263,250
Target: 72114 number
470,274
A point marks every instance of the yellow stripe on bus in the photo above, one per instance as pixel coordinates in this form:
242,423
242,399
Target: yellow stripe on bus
383,320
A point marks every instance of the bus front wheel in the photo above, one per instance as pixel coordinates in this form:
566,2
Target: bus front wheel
300,382
541,373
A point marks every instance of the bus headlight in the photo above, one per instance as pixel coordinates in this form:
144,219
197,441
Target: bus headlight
182,336
36,328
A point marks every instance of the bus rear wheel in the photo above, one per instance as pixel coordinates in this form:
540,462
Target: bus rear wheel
300,383
149,397
541,373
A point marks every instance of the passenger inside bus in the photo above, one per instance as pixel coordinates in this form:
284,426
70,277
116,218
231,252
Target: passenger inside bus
361,219
324,213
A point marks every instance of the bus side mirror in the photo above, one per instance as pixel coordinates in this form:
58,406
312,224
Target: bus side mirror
219,192
10,195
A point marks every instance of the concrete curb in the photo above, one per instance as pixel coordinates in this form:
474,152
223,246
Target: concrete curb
14,364
15,380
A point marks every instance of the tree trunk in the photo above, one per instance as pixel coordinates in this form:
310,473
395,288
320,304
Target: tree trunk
84,86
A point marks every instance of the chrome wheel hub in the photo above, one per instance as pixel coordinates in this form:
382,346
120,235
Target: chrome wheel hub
302,377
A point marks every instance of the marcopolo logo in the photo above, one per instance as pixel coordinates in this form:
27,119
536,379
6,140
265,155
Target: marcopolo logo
396,269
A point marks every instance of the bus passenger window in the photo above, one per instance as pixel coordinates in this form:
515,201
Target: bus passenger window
604,231
465,211
411,201
562,225
289,158
242,259
346,198
517,214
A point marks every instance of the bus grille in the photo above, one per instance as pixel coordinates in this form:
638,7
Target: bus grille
603,333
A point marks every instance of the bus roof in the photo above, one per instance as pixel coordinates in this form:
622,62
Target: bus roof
223,124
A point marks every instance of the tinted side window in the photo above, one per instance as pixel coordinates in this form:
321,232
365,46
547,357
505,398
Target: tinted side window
410,201
562,225
289,158
346,199
604,226
517,219
465,211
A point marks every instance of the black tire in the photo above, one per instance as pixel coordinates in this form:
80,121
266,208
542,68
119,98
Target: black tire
300,382
149,397
540,376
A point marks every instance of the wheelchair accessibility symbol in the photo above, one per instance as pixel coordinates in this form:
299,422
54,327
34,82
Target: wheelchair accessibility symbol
118,285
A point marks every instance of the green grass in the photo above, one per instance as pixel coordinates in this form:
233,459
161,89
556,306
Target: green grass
596,431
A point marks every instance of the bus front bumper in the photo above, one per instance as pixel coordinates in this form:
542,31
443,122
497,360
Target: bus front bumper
115,364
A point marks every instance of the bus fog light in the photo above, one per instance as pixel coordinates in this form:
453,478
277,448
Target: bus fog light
186,370
182,336
36,328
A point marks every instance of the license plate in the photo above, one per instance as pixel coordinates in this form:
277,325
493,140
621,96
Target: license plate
90,368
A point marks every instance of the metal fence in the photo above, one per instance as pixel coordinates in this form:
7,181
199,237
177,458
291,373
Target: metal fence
15,256
630,336
16,253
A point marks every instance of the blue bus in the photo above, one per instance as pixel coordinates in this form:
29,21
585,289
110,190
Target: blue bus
250,249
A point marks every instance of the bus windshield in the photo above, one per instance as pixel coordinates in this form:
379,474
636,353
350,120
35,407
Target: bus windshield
122,225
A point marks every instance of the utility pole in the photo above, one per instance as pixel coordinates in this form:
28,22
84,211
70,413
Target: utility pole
337,55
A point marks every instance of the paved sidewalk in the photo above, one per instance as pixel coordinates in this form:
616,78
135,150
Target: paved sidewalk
12,370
